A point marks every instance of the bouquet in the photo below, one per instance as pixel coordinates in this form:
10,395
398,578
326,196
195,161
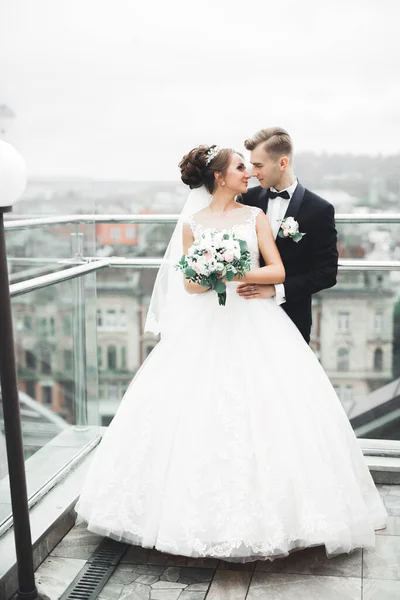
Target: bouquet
217,257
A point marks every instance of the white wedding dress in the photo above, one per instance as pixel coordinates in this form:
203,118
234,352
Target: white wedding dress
230,441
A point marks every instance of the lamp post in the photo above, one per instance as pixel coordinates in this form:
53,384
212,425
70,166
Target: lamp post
12,184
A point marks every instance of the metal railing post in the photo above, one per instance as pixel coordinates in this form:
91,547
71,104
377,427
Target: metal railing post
79,337
12,427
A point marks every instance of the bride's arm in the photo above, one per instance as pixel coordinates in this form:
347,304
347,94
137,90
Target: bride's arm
274,271
188,239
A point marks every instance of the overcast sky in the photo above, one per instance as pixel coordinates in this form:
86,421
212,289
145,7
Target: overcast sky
122,89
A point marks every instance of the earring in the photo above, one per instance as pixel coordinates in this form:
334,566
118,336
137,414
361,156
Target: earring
223,183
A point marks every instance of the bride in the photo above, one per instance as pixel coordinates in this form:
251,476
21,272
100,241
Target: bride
230,441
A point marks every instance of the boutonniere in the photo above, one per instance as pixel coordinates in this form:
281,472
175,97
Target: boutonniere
290,228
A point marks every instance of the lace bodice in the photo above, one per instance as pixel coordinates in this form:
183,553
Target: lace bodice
241,220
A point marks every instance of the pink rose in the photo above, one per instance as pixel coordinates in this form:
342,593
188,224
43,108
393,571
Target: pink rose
285,231
207,255
228,256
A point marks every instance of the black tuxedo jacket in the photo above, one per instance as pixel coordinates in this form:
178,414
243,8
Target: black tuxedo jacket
311,264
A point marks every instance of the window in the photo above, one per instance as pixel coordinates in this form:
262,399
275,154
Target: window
337,390
46,361
106,420
67,325
47,394
149,349
99,318
112,357
31,389
68,360
41,326
378,321
100,357
115,234
347,393
130,232
343,359
28,323
30,360
123,357
343,322
69,394
52,326
112,391
102,390
122,318
111,318
378,359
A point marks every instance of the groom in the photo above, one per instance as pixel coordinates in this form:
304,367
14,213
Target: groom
311,263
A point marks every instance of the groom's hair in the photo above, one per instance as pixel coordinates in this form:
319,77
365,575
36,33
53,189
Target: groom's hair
277,142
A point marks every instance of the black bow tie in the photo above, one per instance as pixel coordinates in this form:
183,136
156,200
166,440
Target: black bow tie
285,194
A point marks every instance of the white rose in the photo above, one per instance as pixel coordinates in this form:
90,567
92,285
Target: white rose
207,239
212,265
291,225
202,266
229,244
211,248
218,238
220,267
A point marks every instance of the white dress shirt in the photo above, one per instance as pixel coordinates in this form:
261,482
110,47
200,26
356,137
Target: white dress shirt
277,208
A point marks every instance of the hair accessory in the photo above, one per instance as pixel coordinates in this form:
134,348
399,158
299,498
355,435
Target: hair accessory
212,153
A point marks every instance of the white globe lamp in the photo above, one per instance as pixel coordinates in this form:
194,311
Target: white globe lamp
12,176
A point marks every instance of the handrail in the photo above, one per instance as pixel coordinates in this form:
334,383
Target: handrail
90,218
17,289
345,264
31,222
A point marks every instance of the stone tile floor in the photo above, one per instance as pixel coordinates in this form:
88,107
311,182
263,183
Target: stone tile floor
304,575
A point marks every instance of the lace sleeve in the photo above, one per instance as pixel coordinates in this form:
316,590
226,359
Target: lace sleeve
192,223
254,212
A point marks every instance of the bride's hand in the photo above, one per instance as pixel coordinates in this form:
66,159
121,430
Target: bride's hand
194,288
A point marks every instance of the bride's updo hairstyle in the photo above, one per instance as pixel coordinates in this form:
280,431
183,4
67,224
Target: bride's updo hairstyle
195,171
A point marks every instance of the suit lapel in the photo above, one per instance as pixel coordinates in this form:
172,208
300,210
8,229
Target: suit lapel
295,202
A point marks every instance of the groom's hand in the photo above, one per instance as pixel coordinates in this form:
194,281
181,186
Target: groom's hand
255,290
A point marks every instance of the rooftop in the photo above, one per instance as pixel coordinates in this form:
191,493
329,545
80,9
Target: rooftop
306,574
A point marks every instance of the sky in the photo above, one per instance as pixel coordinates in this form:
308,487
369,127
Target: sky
122,89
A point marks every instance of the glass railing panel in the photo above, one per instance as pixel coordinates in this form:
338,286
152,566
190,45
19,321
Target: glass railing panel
123,296
356,336
369,241
56,355
47,245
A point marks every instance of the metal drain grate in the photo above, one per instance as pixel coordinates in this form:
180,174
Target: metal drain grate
94,575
